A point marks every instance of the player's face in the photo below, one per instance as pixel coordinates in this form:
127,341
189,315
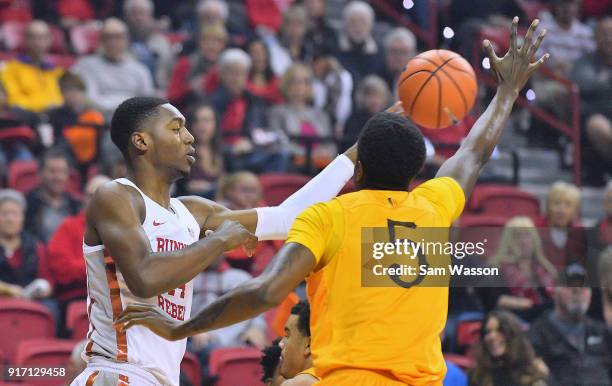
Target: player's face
295,349
494,339
173,143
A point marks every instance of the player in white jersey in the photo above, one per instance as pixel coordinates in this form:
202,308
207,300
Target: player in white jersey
143,247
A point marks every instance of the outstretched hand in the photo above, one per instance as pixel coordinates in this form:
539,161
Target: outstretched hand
514,69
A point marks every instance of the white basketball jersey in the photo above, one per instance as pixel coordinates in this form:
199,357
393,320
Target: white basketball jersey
108,296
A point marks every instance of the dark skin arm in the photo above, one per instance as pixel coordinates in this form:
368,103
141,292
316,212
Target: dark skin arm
512,71
114,218
289,267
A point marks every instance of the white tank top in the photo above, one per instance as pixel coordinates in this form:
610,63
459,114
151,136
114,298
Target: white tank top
108,296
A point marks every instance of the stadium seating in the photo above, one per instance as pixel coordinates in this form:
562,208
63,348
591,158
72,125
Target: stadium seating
77,321
236,366
476,228
18,133
278,186
23,176
14,37
503,200
190,366
468,333
20,320
47,353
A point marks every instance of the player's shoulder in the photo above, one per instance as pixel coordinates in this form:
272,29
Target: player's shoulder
439,186
113,195
301,380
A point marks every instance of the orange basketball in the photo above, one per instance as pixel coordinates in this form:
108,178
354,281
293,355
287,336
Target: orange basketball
435,80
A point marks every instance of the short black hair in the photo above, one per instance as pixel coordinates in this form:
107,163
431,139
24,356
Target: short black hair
269,360
128,116
302,310
70,80
391,150
53,153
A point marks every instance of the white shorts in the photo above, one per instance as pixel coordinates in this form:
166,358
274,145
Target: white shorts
105,373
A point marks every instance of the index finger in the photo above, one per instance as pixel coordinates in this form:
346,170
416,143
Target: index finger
135,308
513,33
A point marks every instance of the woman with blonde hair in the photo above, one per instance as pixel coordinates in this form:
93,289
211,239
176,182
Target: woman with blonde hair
563,239
528,274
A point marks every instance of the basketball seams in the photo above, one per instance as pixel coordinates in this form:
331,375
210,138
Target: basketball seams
416,97
439,101
408,77
463,98
471,74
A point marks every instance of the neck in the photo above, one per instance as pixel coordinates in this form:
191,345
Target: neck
51,195
154,184
566,317
10,240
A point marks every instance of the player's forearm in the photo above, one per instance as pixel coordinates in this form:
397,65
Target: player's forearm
164,271
243,302
487,130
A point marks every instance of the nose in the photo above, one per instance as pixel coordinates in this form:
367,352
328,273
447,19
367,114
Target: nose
189,138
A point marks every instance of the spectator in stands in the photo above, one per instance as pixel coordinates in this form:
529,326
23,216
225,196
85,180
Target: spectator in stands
149,46
270,360
242,190
291,46
112,75
593,75
528,275
50,203
23,272
332,89
31,81
372,96
242,118
76,125
65,253
208,168
504,355
209,285
320,35
297,117
567,40
11,117
599,236
262,83
562,236
454,375
357,50
195,74
296,361
400,46
605,280
574,347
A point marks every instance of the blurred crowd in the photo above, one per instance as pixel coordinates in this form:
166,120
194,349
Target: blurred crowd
282,86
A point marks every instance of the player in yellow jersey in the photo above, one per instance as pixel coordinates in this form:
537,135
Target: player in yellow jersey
371,335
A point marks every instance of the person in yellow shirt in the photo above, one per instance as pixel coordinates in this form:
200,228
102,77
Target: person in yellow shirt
364,334
30,80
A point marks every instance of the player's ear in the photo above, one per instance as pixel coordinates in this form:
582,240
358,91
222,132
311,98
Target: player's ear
307,348
140,141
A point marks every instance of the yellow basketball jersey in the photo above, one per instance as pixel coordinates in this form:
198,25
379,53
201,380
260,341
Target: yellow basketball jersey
390,330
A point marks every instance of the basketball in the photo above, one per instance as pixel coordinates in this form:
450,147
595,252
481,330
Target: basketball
433,81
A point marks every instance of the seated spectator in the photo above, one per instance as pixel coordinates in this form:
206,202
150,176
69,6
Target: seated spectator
400,46
504,355
320,35
31,80
149,46
291,46
574,347
563,238
208,168
567,39
208,286
112,75
50,203
270,361
65,253
262,80
297,118
528,275
296,364
599,236
13,117
195,74
332,89
593,75
76,125
242,119
372,96
23,272
237,191
357,50
605,281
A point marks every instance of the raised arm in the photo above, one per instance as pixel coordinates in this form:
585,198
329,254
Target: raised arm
512,71
113,219
288,268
